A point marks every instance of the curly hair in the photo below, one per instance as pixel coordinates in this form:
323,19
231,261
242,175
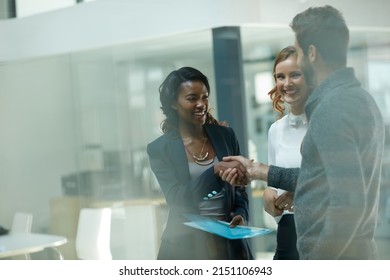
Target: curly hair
169,90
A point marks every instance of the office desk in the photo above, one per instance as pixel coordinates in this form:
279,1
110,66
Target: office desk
25,243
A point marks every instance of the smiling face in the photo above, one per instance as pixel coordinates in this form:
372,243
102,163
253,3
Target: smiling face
291,84
192,103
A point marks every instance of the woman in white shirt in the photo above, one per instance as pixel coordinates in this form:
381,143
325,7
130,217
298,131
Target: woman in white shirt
284,141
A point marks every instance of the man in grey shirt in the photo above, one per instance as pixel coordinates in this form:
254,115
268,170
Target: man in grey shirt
337,187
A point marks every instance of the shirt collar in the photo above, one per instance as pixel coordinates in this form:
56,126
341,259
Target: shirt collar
296,120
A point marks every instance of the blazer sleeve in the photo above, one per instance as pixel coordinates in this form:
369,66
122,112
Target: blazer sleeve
241,203
178,189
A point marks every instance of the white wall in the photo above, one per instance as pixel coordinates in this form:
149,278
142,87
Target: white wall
357,13
107,22
37,136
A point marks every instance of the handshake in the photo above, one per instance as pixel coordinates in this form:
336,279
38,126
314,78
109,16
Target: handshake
239,171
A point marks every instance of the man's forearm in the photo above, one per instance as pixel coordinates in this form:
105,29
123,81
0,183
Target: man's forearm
259,171
282,178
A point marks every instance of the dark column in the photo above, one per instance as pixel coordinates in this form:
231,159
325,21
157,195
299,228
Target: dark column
7,9
229,81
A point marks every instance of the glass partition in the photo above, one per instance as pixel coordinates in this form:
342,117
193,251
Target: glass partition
117,114
75,129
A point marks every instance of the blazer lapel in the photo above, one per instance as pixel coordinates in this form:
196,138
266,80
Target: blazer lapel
218,142
178,155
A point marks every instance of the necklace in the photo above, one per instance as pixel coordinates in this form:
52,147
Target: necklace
201,160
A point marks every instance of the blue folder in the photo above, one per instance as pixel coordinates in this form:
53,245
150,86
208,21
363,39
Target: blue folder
222,228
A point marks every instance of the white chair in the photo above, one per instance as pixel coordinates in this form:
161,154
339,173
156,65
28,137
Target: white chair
93,234
21,223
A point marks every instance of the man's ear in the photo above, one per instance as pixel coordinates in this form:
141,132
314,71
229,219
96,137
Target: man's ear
312,53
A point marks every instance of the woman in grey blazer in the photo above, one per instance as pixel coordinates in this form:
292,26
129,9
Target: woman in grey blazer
186,160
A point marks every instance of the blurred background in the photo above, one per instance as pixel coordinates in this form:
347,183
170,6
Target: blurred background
79,102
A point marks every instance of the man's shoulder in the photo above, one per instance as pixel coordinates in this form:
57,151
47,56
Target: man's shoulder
350,99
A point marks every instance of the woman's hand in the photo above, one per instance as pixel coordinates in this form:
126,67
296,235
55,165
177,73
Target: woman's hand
247,163
237,220
285,201
269,198
232,172
231,176
256,170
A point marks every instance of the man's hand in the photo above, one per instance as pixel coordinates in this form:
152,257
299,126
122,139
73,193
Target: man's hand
256,170
247,163
238,174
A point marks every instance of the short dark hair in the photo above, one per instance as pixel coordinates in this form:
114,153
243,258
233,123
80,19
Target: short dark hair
325,28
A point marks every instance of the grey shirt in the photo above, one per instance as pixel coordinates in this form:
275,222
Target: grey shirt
337,189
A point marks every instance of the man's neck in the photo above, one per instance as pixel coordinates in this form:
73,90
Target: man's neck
323,73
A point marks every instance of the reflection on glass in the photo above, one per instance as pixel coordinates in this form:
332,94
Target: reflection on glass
76,127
